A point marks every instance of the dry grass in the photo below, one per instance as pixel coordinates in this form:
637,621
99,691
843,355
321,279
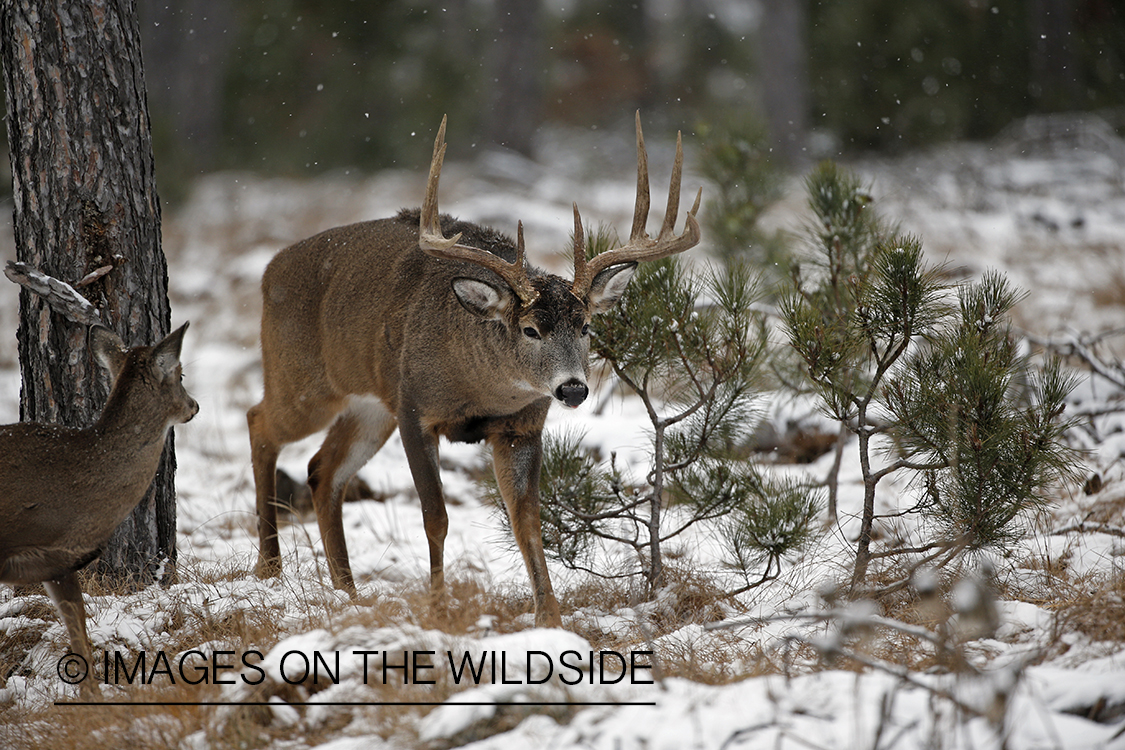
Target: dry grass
720,659
1097,610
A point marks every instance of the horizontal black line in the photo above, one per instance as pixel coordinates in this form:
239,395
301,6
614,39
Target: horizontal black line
351,703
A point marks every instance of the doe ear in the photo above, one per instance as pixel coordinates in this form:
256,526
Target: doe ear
481,298
109,349
608,286
166,354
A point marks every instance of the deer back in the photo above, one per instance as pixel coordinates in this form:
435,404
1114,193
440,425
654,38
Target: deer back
364,310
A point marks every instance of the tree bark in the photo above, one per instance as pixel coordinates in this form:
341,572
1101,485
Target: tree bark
85,199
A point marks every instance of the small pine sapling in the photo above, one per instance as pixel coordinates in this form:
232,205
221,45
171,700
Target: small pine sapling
843,235
849,357
692,350
971,403
889,358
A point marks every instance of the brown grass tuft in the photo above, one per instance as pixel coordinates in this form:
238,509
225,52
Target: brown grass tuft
1094,608
1112,292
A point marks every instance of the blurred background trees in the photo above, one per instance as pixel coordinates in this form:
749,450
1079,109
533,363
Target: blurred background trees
885,74
308,86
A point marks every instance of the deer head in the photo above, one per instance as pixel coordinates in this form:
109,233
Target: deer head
547,317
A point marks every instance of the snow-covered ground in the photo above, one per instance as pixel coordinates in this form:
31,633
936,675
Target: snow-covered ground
1048,211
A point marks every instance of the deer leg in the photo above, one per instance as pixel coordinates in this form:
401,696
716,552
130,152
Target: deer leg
263,457
421,447
274,423
517,461
66,593
356,435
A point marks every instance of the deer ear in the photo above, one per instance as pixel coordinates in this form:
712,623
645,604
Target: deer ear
108,349
481,298
166,354
608,286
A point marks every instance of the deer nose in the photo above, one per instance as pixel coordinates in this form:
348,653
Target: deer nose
572,393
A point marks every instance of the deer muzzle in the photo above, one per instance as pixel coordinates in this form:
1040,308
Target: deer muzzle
572,393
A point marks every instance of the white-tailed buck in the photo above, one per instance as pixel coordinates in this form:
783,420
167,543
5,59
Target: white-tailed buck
396,323
63,490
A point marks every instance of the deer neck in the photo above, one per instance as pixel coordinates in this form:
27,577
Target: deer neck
131,420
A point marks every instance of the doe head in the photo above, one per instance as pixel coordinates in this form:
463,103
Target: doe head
151,375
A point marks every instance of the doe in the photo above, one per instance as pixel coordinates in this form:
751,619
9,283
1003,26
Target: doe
64,490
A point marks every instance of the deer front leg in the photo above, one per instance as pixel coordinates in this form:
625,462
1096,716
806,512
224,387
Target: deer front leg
517,461
421,446
66,593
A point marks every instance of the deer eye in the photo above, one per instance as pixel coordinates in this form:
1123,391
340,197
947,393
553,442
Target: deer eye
585,329
531,333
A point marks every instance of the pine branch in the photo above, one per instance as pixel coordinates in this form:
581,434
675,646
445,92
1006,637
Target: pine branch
907,464
615,512
951,551
766,577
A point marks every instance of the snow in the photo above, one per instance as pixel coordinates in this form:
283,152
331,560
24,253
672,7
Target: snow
1052,219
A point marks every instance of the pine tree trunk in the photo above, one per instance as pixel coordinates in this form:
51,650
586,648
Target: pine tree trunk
515,102
186,46
784,81
1054,75
85,199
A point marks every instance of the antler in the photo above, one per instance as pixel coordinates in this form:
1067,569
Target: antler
433,242
640,247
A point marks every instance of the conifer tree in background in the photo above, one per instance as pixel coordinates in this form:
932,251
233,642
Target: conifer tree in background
735,156
882,347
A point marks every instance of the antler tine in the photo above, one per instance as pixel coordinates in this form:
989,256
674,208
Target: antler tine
429,227
519,245
668,227
433,242
579,246
641,247
641,206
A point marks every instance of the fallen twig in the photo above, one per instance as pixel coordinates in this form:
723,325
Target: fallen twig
1090,528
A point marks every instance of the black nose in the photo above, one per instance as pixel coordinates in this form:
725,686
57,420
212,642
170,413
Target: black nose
572,392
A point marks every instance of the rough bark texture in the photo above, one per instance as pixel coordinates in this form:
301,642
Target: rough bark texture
85,198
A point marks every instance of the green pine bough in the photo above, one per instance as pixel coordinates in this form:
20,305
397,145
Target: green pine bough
941,387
